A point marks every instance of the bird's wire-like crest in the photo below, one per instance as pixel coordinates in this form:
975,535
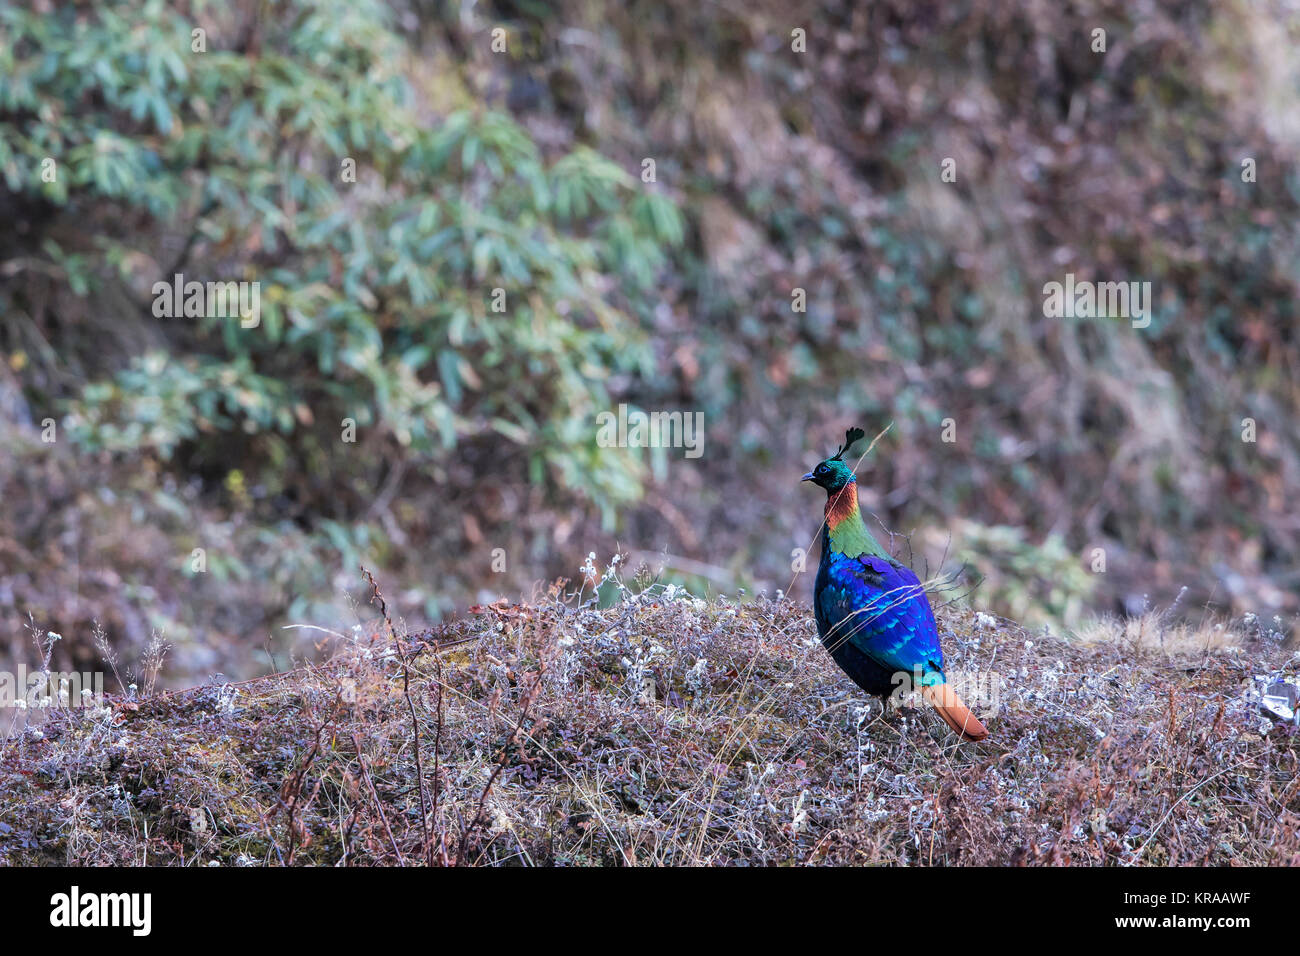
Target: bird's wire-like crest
852,435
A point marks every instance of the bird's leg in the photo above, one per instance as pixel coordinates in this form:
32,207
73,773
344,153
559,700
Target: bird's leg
890,707
896,709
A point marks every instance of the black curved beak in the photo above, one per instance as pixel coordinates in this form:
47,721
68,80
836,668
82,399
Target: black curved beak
807,477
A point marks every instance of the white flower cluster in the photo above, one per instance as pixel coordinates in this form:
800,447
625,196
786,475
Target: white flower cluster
697,677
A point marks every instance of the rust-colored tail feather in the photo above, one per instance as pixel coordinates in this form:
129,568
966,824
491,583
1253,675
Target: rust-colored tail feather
954,712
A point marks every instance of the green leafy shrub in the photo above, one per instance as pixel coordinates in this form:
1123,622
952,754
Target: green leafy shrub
462,285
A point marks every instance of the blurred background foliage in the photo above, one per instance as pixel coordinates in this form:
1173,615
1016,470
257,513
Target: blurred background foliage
521,171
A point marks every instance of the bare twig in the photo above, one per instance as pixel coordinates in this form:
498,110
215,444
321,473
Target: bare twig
377,597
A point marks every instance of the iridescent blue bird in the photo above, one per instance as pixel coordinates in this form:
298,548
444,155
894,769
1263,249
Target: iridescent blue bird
872,612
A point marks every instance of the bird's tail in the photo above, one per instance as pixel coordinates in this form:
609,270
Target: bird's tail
956,714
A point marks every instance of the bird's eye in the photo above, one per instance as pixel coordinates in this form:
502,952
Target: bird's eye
821,469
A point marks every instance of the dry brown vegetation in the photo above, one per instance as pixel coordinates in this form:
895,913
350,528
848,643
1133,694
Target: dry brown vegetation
669,730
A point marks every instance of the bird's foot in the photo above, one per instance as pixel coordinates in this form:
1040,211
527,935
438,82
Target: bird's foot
898,716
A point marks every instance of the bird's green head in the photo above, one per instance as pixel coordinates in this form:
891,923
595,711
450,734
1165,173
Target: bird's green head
833,474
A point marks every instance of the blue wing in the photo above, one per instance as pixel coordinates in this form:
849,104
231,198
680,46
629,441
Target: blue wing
880,609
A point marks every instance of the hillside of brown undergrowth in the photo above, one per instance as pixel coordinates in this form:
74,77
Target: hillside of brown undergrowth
193,477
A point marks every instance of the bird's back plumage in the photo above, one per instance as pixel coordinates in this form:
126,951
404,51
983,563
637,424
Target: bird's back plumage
873,616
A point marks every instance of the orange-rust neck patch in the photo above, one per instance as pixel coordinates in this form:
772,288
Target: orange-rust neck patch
841,505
